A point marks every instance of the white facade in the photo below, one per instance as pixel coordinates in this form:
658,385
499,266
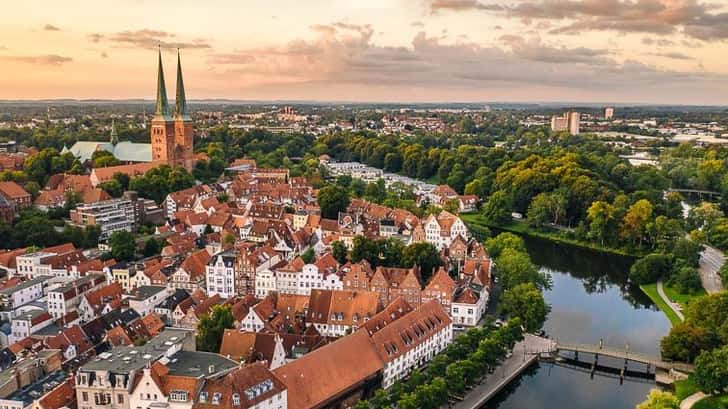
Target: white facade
435,235
265,283
417,356
23,326
220,276
148,298
23,293
252,322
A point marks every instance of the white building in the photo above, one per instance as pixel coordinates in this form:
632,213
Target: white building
441,230
66,298
28,323
410,341
144,299
220,275
468,306
14,297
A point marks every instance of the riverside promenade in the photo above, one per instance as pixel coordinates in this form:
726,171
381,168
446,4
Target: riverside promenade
525,354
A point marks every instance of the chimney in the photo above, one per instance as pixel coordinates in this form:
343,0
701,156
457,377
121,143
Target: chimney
211,369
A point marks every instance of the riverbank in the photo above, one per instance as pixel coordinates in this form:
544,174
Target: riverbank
477,223
672,295
651,291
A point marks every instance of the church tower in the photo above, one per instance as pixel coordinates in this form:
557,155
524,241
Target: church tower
163,130
183,129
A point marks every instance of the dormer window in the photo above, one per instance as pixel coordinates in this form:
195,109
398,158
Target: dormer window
236,399
203,397
216,398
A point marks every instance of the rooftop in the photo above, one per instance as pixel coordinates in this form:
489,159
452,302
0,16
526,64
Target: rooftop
23,285
124,359
35,390
197,363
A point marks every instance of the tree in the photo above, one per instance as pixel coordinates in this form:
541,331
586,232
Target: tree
515,267
686,280
685,341
333,199
308,256
650,268
208,230
634,223
113,188
424,255
455,377
723,272
452,206
338,250
228,240
711,371
497,208
687,250
704,216
151,247
658,399
122,245
497,244
212,326
600,216
546,208
102,159
673,205
525,302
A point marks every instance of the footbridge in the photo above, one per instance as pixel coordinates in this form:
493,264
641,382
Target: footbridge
622,353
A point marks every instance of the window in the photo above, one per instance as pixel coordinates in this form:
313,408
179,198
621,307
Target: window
120,399
84,396
236,399
178,396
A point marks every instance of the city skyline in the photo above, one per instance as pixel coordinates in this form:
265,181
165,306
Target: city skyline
643,51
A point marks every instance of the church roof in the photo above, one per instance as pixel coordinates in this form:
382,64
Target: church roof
83,150
124,151
133,152
162,106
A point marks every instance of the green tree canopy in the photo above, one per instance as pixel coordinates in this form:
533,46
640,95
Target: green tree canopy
122,245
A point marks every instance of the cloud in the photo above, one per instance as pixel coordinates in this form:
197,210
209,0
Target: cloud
345,57
660,42
418,24
50,27
95,37
104,54
150,39
50,59
674,56
461,5
691,18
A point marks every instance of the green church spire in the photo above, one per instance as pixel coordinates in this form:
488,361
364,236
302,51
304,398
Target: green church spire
114,136
180,109
162,109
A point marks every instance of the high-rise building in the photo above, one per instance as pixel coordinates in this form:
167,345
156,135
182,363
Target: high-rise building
569,121
172,132
608,113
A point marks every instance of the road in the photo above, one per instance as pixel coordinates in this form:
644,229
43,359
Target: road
711,260
524,355
673,306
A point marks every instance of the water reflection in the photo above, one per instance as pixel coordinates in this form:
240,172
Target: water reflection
590,300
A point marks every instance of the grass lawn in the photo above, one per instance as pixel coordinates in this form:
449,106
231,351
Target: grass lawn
682,299
718,402
685,388
651,291
476,222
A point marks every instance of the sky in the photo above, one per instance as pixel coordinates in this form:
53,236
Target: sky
618,51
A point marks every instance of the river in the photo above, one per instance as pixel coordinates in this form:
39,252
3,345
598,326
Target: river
589,301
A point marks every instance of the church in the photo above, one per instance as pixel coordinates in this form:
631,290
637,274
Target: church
171,132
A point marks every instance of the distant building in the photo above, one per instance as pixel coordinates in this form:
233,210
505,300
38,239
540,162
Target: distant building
171,133
569,121
15,195
608,113
125,213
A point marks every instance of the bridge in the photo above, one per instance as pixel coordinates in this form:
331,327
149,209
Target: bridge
695,191
624,353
